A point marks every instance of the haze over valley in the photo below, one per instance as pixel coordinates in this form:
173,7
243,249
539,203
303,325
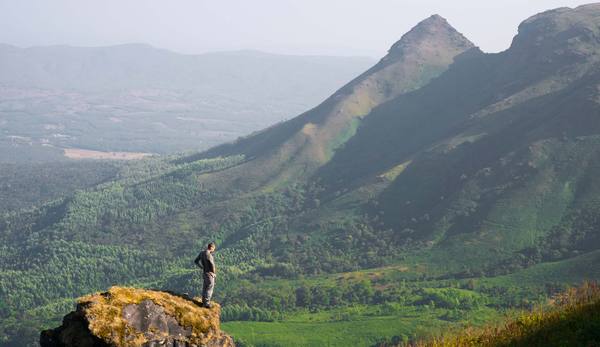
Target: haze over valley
137,98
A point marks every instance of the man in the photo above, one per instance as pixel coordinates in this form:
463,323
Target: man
205,261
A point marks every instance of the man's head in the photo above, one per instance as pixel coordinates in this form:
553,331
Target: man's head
211,247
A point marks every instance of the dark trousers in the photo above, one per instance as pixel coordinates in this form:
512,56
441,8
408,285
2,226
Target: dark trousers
207,287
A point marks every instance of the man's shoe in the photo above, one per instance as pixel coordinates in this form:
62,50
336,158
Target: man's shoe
207,305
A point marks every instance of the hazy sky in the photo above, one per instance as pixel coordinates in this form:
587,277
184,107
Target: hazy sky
334,27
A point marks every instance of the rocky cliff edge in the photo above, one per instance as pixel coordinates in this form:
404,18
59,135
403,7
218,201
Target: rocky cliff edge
137,317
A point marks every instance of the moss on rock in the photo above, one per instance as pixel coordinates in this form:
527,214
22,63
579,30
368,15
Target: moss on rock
125,316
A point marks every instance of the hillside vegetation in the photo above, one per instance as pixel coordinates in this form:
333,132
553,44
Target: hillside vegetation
571,319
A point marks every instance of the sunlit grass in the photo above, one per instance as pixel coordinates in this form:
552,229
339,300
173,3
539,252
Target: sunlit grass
571,319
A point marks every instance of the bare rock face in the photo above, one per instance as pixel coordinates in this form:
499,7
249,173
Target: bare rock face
152,320
563,34
136,317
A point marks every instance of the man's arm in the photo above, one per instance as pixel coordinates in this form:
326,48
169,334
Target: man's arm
197,261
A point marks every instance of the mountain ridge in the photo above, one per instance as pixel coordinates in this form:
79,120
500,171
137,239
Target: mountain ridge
312,138
124,57
500,70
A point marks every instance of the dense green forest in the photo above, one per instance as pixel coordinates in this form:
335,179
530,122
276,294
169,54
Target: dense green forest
27,185
146,226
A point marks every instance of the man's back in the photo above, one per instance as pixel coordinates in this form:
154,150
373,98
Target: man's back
206,261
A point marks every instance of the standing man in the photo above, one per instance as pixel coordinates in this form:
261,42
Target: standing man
205,261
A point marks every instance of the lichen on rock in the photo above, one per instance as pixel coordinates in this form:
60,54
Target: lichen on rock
136,317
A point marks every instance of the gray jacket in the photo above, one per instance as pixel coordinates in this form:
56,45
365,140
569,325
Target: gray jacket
205,261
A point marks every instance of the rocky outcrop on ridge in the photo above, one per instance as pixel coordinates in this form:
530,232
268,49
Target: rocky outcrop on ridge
137,317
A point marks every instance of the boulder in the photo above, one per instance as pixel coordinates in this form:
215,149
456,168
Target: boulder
138,317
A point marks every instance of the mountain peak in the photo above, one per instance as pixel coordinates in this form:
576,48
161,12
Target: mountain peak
431,31
562,31
434,19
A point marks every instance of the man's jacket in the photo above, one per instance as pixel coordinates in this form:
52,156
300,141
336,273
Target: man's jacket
205,261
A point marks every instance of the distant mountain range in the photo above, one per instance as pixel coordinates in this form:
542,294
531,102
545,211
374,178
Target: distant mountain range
139,98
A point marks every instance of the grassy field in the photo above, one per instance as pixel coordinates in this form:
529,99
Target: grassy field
363,331
355,326
362,325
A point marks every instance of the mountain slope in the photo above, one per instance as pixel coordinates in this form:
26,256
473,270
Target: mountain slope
492,154
296,148
468,97
517,127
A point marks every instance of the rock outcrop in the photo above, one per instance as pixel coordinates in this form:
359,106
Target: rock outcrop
138,317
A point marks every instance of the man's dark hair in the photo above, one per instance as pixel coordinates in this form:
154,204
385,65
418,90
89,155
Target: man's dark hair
210,245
